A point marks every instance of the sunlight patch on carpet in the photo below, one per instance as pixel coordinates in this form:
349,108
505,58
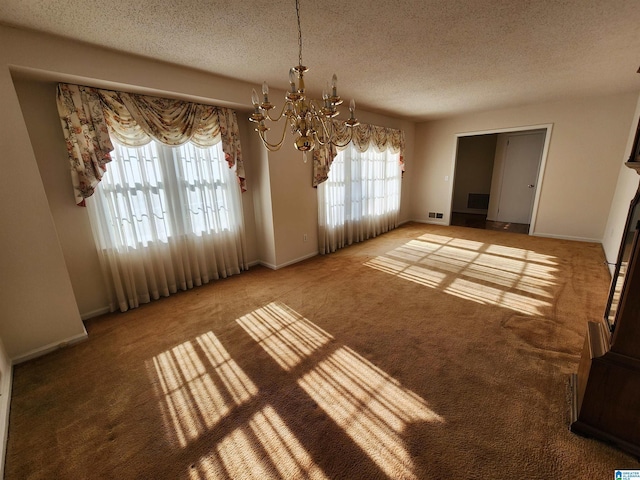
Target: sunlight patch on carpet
521,253
482,294
284,334
200,384
370,406
466,244
514,278
414,273
263,448
526,283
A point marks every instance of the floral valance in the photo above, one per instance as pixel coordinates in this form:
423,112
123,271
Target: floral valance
91,116
364,135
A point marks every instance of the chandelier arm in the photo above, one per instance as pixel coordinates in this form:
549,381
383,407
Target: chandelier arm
329,141
330,133
272,147
327,133
319,140
284,107
347,142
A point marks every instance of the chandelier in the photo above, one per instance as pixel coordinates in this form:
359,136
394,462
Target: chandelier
311,122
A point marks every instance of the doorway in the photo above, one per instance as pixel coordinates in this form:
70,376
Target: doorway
496,179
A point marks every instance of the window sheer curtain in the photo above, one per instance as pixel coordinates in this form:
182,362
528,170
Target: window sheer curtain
359,187
165,179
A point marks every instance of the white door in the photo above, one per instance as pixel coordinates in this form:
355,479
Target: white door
520,177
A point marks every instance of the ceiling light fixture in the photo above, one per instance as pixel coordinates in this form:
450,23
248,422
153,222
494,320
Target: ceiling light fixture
310,121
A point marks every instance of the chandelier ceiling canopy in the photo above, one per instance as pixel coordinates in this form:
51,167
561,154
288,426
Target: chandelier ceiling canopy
310,121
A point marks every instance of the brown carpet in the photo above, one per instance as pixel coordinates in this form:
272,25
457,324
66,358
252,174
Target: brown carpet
427,353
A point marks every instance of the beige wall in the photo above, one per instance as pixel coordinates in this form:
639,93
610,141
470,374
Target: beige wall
258,174
587,143
38,104
48,266
625,190
38,307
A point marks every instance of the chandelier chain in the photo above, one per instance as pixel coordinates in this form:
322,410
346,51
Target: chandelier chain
299,33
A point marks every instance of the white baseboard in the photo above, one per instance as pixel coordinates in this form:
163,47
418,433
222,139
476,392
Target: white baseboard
535,234
38,352
286,264
268,265
300,259
94,313
5,407
567,237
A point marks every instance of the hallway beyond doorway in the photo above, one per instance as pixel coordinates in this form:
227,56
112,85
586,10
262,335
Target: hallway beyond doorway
473,220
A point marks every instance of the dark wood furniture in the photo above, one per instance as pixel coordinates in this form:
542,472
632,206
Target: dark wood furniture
606,388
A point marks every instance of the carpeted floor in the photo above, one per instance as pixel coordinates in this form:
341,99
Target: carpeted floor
427,353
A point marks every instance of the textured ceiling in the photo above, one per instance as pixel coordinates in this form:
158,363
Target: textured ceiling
418,59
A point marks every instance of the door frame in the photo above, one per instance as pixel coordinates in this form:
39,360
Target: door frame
548,127
6,379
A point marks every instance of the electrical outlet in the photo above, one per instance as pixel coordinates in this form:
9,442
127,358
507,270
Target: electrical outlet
432,214
439,215
304,237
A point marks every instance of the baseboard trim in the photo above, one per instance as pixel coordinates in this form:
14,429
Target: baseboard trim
534,234
38,352
268,265
566,237
432,222
5,408
286,264
94,313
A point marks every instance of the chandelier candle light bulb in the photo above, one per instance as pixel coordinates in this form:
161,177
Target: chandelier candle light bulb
310,121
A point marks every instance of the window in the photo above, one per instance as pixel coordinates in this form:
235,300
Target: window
202,179
361,197
137,186
167,218
134,192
